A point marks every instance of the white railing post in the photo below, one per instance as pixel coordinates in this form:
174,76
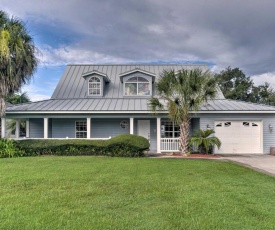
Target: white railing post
27,128
169,144
46,127
88,127
131,125
17,129
158,135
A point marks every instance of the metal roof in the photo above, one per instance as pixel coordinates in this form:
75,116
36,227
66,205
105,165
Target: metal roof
124,105
70,94
72,84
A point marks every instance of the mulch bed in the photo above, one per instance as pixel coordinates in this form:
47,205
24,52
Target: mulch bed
193,155
196,155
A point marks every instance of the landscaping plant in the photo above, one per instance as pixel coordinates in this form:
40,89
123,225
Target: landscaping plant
181,92
124,145
8,148
204,142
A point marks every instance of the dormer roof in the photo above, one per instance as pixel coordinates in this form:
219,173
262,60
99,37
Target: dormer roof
94,72
137,70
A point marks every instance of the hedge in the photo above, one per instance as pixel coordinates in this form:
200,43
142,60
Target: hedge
124,145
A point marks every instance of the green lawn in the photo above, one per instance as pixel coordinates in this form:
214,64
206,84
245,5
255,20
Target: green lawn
133,193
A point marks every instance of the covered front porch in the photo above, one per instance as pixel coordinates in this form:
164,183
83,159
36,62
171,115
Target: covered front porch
160,131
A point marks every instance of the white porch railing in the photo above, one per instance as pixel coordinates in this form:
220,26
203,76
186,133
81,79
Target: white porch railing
169,144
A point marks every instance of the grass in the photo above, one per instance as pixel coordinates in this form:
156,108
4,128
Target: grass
133,193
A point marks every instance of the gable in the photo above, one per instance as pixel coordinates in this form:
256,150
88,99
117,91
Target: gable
137,72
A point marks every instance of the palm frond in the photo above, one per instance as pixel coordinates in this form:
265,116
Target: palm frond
203,140
154,105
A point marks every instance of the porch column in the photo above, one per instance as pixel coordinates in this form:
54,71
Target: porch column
131,125
17,129
88,127
158,134
3,127
46,127
27,128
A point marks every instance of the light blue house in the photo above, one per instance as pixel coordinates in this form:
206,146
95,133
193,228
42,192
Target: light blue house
102,101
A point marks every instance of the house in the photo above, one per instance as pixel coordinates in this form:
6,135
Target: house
102,101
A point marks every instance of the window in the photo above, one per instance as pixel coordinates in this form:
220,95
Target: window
81,129
246,124
253,124
137,86
219,125
169,130
227,124
94,86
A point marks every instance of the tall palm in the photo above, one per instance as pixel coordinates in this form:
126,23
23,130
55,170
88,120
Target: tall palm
18,98
182,93
203,140
14,99
17,57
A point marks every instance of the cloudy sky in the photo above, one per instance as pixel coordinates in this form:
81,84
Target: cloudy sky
220,33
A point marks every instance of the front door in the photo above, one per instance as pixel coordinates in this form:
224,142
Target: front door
144,128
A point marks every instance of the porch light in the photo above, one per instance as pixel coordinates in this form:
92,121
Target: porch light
208,127
270,127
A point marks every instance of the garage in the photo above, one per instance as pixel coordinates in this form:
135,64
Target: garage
239,137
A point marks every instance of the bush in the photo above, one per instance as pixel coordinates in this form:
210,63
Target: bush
204,142
125,145
9,149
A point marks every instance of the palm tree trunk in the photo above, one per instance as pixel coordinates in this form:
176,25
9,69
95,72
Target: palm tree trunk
184,136
2,100
2,106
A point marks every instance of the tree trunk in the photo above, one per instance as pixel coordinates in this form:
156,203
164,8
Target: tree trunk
2,106
184,136
2,97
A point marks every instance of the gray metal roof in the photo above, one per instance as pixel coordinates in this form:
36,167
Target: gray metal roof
124,105
70,94
73,85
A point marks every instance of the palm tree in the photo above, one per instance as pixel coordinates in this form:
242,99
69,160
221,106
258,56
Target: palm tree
14,99
203,140
180,93
18,98
17,57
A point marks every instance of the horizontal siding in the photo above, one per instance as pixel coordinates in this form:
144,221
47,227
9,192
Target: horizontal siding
153,134
104,128
62,128
195,125
50,126
36,128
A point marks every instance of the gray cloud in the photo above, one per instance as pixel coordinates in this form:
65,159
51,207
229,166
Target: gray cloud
236,33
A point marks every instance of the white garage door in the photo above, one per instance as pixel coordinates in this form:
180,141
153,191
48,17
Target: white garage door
239,136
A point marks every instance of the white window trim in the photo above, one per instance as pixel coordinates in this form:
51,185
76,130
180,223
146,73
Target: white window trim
101,86
81,131
148,78
173,126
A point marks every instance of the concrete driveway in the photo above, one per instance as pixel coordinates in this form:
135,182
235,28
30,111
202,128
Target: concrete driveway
262,163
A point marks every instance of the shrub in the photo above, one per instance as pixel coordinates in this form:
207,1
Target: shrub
125,145
203,140
9,149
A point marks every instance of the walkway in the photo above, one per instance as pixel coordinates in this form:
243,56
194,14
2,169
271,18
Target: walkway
262,163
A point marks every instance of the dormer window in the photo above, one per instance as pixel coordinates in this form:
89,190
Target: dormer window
96,82
137,86
137,83
94,86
